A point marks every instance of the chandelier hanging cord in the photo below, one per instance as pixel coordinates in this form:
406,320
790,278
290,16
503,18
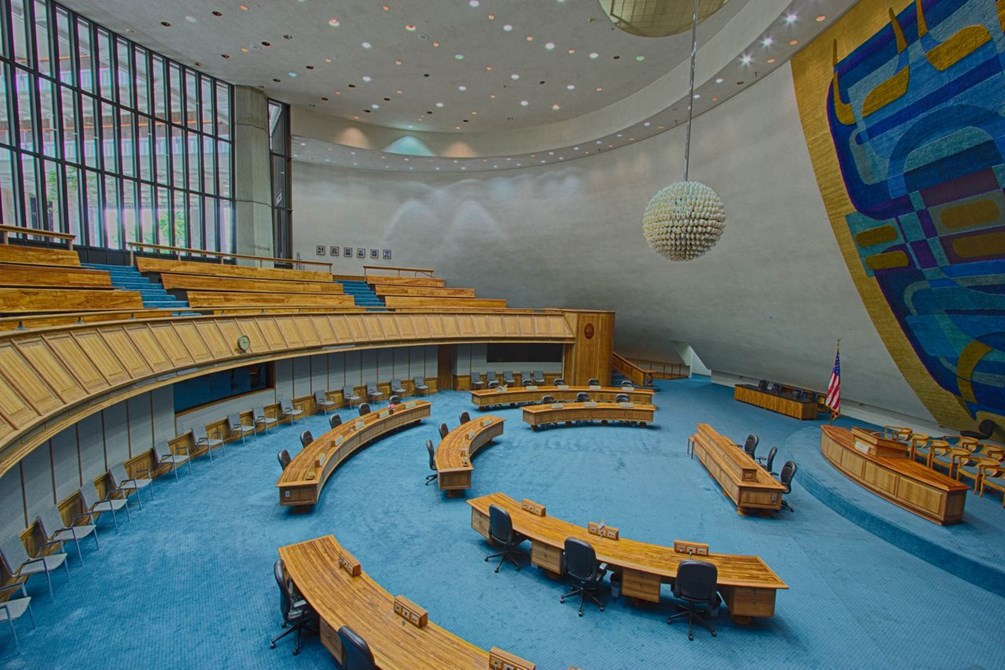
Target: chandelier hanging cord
690,88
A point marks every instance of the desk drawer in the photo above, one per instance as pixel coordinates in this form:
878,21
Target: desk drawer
745,601
546,557
641,585
480,522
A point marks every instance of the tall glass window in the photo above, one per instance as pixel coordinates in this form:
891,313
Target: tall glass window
282,178
105,139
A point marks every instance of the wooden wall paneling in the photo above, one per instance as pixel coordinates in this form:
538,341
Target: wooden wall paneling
211,336
170,342
273,336
38,399
590,355
162,413
388,326
148,347
406,328
357,329
51,369
123,348
115,422
308,333
291,334
36,469
96,349
191,337
340,327
141,429
66,463
91,443
66,348
450,325
324,328
373,331
11,502
250,328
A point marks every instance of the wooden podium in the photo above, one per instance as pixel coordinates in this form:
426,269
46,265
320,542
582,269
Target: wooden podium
875,444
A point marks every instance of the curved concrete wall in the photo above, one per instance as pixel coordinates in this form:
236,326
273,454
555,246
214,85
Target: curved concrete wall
768,301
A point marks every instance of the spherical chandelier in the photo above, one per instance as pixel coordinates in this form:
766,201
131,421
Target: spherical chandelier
685,219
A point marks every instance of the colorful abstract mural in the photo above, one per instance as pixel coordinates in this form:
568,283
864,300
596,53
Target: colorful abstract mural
904,114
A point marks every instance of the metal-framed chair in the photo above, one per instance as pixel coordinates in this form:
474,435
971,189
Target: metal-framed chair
13,609
321,400
349,395
55,530
123,484
95,504
20,564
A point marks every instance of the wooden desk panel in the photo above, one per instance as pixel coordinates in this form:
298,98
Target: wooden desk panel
797,409
453,456
303,479
746,583
902,481
362,604
539,415
518,395
741,478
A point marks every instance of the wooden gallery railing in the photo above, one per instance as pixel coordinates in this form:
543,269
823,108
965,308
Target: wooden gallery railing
52,378
221,256
631,372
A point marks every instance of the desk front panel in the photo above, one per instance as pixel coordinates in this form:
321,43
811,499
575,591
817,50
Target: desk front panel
520,396
453,470
539,415
797,409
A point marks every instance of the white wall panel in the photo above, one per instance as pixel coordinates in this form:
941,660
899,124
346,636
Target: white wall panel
12,502
66,462
116,431
141,428
37,469
301,377
162,408
91,442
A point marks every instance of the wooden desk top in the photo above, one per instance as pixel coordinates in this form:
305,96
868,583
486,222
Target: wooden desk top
734,570
302,470
906,466
737,463
516,394
462,440
363,605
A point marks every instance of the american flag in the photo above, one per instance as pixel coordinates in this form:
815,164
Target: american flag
833,399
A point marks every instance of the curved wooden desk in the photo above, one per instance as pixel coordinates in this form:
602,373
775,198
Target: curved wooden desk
783,403
361,603
519,395
305,476
539,415
882,466
453,456
746,583
741,478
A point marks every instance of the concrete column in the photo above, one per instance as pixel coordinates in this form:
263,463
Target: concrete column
252,184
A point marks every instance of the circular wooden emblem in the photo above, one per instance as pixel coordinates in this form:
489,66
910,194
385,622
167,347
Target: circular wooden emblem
588,331
244,343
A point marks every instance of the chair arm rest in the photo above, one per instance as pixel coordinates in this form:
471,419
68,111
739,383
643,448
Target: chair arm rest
50,543
13,587
85,515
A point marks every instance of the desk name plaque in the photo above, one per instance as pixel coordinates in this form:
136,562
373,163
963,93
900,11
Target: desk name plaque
410,612
486,422
603,530
690,548
348,562
319,462
532,387
360,424
556,405
384,413
590,403
534,508
562,387
503,660
595,387
339,439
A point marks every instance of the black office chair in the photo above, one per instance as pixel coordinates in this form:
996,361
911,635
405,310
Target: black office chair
464,417
306,438
769,462
763,384
547,400
432,462
582,397
493,384
750,444
622,397
593,381
984,430
444,431
394,400
364,408
501,534
296,612
627,384
284,458
695,585
581,565
527,381
356,654
334,420
559,381
788,472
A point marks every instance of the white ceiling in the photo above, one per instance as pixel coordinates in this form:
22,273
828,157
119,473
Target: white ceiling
497,74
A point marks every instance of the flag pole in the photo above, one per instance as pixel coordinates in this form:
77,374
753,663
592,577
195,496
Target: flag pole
832,385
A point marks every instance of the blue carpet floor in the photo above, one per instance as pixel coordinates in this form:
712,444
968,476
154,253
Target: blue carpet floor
188,582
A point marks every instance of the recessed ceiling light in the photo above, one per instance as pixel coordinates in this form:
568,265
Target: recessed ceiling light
398,61
491,17
570,87
191,19
243,7
571,51
697,95
821,18
410,27
514,76
436,44
366,45
488,68
647,124
719,80
166,24
224,55
530,38
473,3
303,144
216,13
507,27
556,107
767,42
746,59
462,88
791,18
600,89
594,55
549,46
771,61
640,58
439,104
334,23
367,78
244,49
793,43
292,74
458,56
492,96
386,8
524,103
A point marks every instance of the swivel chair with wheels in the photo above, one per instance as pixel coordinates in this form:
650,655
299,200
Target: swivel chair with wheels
432,463
581,565
306,438
334,420
695,585
788,472
464,417
356,654
501,534
750,444
284,458
770,461
297,614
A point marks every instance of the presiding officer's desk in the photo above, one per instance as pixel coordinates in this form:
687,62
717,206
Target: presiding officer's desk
359,602
747,585
305,476
746,483
521,395
540,415
453,456
785,401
